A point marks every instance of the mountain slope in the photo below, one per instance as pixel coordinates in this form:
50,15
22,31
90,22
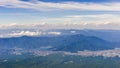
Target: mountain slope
60,43
81,42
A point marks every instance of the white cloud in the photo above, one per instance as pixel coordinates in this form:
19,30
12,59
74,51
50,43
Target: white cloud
46,6
28,33
95,21
55,33
86,53
91,16
68,23
105,53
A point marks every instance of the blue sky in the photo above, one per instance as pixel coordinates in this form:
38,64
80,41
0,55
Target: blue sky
93,12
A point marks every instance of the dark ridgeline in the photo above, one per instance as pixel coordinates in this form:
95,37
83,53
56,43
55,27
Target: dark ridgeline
70,43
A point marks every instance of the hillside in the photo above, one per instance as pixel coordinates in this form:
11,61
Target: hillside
60,43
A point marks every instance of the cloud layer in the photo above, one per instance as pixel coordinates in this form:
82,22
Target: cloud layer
62,20
68,23
86,53
48,6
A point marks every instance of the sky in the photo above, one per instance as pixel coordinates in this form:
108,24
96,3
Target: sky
87,13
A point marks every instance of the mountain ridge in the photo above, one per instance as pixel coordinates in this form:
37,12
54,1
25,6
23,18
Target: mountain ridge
70,43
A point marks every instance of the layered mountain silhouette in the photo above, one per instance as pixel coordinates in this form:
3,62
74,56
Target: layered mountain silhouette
70,43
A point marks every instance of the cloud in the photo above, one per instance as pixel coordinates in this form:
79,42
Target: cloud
27,33
55,33
91,16
86,53
105,53
111,22
49,6
91,21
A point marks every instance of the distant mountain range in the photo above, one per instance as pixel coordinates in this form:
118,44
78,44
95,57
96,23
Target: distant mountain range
109,35
31,48
72,43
